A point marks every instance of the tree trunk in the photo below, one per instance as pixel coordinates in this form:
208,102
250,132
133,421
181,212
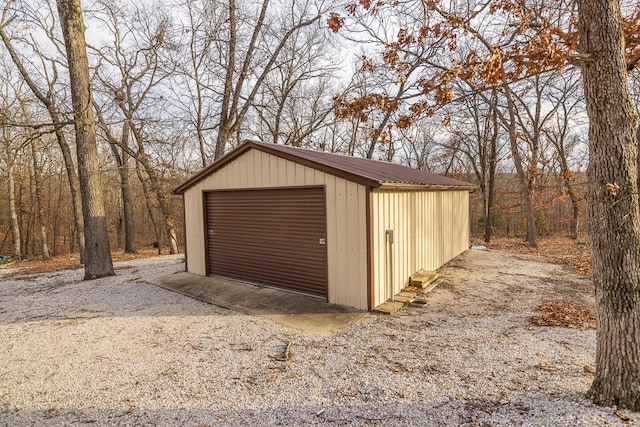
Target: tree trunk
30,245
56,220
13,214
491,181
491,196
226,109
568,183
167,219
127,203
525,190
221,139
125,190
149,204
614,215
23,224
37,181
573,230
74,188
97,255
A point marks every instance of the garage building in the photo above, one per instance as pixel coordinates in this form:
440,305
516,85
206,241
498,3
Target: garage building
348,230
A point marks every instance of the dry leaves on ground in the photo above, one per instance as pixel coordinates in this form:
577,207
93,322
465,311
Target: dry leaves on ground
559,249
565,314
70,262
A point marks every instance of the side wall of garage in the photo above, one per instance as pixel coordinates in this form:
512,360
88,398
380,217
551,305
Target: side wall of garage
429,229
346,217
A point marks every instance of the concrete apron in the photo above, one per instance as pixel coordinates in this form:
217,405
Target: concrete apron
286,308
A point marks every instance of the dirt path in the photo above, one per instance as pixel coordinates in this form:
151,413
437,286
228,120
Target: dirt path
118,351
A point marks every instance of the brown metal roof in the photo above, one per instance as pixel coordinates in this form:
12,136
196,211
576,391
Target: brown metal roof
373,173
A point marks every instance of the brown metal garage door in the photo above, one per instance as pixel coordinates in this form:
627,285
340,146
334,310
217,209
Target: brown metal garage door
275,237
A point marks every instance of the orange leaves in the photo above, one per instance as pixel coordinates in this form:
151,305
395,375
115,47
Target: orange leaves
455,20
436,30
453,43
381,135
367,66
420,108
426,86
359,107
391,56
507,7
431,4
631,26
471,48
335,21
424,32
405,38
444,95
367,5
404,122
492,70
401,48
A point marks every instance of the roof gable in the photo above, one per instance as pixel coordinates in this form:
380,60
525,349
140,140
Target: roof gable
372,173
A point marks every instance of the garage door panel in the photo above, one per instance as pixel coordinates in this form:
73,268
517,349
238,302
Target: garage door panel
269,240
302,253
301,260
249,274
280,264
269,236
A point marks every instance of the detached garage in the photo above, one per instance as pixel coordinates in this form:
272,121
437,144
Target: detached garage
348,230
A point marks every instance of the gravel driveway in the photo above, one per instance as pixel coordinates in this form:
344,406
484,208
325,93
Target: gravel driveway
119,351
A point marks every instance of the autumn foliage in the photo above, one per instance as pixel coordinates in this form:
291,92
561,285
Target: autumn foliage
480,46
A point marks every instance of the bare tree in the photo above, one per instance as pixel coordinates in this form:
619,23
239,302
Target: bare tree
98,261
247,65
131,68
48,96
525,121
199,73
296,99
559,133
36,146
11,147
476,134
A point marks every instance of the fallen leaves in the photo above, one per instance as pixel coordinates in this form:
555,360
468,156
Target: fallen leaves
565,314
560,250
71,262
622,415
546,366
396,367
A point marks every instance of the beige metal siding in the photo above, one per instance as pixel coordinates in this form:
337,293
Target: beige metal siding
430,228
346,219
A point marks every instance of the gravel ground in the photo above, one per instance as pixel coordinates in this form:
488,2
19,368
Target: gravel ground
119,351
